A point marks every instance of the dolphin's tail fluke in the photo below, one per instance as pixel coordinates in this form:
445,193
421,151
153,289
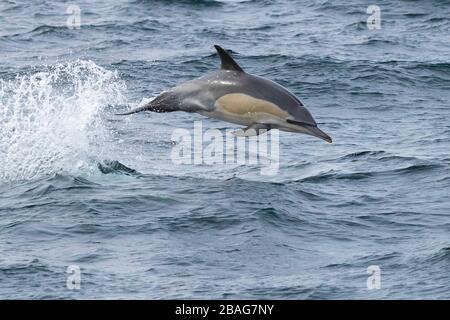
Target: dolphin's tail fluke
165,102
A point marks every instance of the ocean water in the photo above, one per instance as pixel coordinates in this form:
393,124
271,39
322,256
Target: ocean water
84,188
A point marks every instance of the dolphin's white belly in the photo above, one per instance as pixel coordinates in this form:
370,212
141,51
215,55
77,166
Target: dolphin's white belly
245,110
242,119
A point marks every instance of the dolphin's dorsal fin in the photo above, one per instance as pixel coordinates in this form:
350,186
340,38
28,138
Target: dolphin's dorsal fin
227,62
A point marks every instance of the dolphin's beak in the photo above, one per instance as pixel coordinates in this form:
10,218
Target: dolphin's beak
316,132
311,130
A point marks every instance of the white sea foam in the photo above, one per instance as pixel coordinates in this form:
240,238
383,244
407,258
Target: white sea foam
51,121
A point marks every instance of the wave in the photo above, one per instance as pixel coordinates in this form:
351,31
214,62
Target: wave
376,156
50,121
415,14
32,266
443,255
116,167
45,29
145,25
331,175
197,3
360,154
431,66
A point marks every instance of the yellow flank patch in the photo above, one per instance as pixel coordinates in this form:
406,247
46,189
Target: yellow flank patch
239,103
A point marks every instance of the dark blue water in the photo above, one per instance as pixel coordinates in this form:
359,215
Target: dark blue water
80,186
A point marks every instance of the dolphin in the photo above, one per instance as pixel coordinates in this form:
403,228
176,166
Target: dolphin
233,95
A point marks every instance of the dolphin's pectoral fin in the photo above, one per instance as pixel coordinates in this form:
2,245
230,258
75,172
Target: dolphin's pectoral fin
195,105
252,130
